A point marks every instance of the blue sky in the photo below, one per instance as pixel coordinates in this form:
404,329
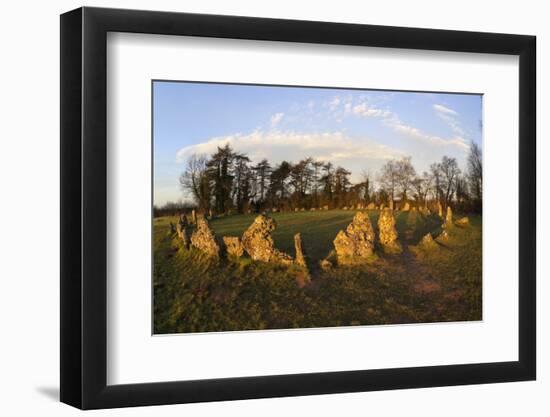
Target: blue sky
357,129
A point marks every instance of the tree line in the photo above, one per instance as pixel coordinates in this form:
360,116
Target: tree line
228,181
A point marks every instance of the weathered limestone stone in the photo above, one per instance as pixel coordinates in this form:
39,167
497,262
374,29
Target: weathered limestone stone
296,209
325,207
194,216
406,206
391,204
439,209
345,208
312,209
464,221
443,236
258,243
356,243
388,232
302,209
371,206
428,242
203,239
448,218
233,246
300,257
326,265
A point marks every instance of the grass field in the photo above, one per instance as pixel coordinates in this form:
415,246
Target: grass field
193,293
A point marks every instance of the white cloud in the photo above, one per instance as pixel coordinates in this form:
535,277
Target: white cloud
391,120
450,117
352,152
364,110
445,110
417,134
276,118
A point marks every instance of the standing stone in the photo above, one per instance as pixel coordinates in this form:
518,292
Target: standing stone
233,246
448,218
371,206
296,209
439,209
258,243
210,214
325,207
299,258
406,207
428,242
464,221
356,243
194,216
325,264
203,239
391,204
443,236
388,232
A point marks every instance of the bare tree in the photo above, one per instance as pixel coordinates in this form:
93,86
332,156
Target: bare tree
475,172
449,174
461,192
422,186
405,176
389,178
195,180
435,173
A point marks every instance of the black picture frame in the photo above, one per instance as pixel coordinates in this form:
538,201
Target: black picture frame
84,207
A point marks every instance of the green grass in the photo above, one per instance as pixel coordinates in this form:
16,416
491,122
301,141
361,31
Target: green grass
195,294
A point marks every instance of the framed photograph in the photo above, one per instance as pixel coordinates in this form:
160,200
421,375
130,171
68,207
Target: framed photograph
257,208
